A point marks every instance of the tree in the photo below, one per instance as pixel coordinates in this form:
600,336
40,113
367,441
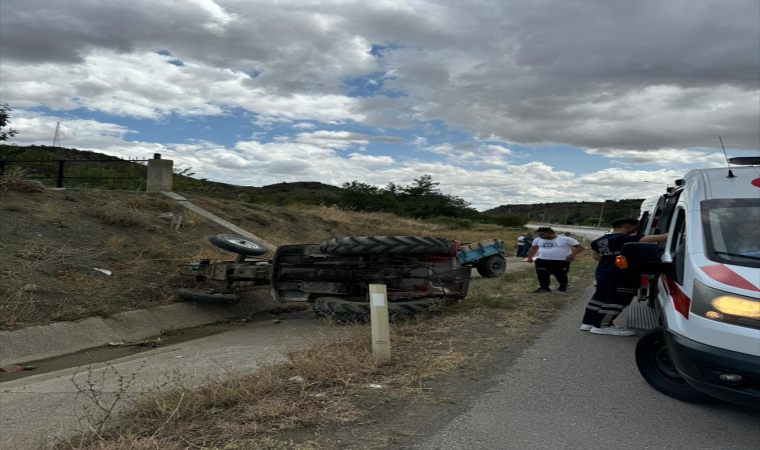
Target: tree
420,199
4,120
508,220
421,186
358,196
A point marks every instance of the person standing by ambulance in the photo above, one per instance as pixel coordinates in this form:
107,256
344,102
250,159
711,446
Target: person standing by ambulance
615,288
555,253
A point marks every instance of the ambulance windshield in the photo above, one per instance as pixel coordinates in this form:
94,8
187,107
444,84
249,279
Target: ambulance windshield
732,231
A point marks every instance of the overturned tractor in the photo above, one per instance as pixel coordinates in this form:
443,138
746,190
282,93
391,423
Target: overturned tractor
334,275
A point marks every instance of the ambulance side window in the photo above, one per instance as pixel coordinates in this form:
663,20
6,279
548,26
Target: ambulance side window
644,223
678,246
679,231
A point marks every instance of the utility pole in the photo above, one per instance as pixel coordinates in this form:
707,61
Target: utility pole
57,137
599,225
565,215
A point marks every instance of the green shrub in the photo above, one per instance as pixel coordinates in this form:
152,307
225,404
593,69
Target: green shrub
454,223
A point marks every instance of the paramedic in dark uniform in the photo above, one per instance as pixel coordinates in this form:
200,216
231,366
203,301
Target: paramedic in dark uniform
615,288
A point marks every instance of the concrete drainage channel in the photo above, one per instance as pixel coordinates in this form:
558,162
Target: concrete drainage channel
63,338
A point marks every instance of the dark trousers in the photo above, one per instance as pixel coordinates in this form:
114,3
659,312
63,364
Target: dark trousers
545,268
609,300
522,249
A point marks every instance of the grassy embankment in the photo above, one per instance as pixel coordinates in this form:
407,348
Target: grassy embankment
52,240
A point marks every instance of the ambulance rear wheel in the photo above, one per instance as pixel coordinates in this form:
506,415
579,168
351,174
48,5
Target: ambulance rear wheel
657,368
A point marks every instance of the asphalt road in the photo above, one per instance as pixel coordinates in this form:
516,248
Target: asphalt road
575,390
590,233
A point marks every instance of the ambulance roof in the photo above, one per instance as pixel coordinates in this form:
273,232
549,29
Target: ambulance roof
714,183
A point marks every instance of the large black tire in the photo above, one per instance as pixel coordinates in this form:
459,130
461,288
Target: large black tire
655,365
200,295
385,244
356,309
492,266
237,245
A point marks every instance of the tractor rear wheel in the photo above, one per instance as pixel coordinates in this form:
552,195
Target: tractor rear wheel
385,244
352,309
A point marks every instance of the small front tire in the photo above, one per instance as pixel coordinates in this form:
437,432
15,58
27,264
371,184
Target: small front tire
237,245
492,266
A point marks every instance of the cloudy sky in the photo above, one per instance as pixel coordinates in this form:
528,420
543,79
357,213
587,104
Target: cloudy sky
501,101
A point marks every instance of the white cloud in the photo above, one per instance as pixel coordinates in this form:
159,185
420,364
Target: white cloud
146,86
665,157
369,161
333,139
514,71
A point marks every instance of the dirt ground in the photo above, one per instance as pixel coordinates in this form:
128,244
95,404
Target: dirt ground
51,242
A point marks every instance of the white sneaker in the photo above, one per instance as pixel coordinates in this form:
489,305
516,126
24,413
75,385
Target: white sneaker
613,331
586,327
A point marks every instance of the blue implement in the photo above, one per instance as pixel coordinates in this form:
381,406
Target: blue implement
470,253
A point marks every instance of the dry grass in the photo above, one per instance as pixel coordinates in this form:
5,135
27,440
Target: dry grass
14,179
16,305
20,298
47,212
161,443
72,276
114,245
315,387
191,219
375,224
119,213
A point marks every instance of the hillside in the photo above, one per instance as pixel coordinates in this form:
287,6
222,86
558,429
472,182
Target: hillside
276,194
51,242
312,192
571,212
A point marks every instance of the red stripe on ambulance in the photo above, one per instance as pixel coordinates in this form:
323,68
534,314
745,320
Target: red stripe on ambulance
723,274
681,301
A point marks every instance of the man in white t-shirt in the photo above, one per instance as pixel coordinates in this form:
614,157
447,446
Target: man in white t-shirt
521,250
555,253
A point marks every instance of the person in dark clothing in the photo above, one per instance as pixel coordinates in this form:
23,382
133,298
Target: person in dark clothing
527,241
615,288
555,253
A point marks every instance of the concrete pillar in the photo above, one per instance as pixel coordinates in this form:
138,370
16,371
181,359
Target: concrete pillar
159,174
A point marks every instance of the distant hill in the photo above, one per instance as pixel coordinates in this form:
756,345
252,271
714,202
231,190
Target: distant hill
314,192
275,194
574,212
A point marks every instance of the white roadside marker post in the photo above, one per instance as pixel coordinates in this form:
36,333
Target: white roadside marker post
381,334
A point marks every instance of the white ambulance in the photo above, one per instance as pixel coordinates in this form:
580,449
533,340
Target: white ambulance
703,286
